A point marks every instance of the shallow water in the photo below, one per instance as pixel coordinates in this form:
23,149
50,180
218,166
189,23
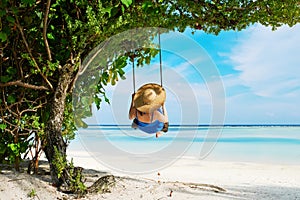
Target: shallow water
262,144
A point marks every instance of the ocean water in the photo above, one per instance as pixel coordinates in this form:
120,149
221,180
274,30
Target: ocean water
116,145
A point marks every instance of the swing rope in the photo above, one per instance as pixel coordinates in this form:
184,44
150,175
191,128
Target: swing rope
160,59
133,73
132,60
160,64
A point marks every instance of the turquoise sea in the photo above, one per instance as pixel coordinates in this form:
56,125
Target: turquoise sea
238,143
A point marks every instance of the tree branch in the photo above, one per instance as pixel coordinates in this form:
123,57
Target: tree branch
7,107
31,110
25,85
45,30
30,54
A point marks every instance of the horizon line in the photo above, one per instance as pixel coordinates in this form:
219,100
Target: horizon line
203,125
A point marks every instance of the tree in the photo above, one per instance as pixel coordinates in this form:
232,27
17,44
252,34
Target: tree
42,44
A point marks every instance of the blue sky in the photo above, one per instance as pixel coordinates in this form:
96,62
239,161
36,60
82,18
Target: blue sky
258,69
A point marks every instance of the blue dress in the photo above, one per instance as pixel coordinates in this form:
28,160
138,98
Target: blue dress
150,128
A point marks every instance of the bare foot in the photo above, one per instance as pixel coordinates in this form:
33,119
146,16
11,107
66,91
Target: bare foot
158,134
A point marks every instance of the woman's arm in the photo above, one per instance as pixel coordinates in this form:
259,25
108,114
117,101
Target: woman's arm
132,110
165,113
163,117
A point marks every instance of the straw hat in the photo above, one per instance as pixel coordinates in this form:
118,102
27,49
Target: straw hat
149,97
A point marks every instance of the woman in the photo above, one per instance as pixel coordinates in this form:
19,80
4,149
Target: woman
146,111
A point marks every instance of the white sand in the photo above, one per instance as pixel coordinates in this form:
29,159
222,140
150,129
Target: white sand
240,180
188,178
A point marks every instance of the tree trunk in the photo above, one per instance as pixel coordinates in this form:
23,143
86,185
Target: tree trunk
54,142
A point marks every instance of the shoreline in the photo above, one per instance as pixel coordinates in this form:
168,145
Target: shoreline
241,180
186,178
204,125
215,177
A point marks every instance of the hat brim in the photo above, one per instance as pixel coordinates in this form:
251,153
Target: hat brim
155,104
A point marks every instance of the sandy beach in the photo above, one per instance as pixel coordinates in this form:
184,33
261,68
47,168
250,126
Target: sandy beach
187,178
191,178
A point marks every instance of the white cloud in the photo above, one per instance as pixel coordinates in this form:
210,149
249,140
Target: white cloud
267,87
269,61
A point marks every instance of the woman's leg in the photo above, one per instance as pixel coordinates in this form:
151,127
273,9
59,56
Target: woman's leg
158,134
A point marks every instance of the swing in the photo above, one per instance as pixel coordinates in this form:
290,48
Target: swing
154,126
160,66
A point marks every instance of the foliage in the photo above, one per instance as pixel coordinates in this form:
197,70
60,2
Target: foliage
32,193
42,41
76,184
64,169
59,162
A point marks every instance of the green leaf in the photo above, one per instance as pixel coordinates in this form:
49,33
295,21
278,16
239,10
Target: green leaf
106,99
10,19
108,10
2,13
5,79
35,124
80,123
113,81
11,70
146,5
15,10
105,78
14,147
28,2
127,3
97,101
2,126
39,14
11,99
121,72
50,36
3,36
